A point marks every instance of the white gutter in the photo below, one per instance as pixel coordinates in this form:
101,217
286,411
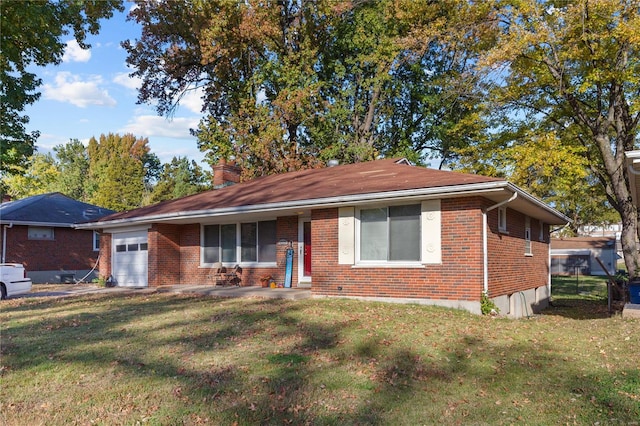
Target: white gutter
4,241
300,204
440,192
485,250
46,224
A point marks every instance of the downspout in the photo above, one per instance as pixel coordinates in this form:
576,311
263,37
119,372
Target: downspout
485,250
4,241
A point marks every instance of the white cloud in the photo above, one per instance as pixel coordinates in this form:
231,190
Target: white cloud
192,100
123,79
69,88
156,126
74,53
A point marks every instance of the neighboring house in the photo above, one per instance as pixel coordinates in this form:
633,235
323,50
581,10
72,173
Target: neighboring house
38,232
577,255
382,230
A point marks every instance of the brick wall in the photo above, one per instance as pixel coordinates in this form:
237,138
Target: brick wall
510,269
459,277
104,269
70,250
164,255
174,258
192,273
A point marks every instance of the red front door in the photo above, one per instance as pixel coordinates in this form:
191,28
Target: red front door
306,230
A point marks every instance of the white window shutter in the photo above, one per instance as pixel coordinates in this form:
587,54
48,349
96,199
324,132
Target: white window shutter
431,232
346,236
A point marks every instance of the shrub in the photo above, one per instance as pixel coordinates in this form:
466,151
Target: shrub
487,306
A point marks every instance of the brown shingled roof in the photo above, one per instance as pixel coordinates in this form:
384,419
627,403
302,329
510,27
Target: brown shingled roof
351,179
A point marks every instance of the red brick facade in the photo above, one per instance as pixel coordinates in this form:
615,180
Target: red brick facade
174,258
69,250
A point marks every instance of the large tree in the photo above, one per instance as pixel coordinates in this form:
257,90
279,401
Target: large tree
73,165
179,178
117,171
31,33
289,84
39,176
570,71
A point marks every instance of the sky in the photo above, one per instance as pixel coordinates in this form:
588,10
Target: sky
90,93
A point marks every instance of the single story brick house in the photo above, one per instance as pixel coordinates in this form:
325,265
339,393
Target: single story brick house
381,230
579,255
38,232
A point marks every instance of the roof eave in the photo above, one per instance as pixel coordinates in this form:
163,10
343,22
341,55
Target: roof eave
452,191
10,222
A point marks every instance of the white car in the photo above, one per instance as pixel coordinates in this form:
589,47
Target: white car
13,280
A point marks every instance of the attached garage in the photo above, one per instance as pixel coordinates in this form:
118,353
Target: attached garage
130,260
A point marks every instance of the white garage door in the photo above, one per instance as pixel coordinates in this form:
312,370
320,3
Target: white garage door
129,261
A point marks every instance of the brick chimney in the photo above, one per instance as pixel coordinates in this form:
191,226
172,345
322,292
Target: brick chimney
225,173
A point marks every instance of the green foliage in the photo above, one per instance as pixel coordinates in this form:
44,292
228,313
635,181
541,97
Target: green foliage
73,165
568,73
116,171
179,179
487,306
31,34
38,177
295,84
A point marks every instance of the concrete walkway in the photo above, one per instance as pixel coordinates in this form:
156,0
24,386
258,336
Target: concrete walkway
204,290
232,291
631,311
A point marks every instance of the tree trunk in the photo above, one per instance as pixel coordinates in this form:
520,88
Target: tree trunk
628,238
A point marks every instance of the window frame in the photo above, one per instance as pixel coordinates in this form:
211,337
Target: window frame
386,263
502,220
240,245
96,241
528,251
31,237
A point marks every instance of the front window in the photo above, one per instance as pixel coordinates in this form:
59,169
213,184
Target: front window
390,233
219,243
249,242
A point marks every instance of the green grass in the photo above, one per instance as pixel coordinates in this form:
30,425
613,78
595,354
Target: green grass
165,359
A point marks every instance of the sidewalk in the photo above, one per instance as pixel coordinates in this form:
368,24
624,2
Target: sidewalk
204,290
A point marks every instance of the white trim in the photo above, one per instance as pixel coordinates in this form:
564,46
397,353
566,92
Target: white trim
390,264
528,246
346,236
398,263
238,245
44,224
387,197
570,252
127,229
32,236
302,278
95,238
431,232
502,219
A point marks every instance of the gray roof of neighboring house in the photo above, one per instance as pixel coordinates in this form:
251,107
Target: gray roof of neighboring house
294,193
53,209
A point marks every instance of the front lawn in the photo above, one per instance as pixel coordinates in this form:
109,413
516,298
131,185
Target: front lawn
164,359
